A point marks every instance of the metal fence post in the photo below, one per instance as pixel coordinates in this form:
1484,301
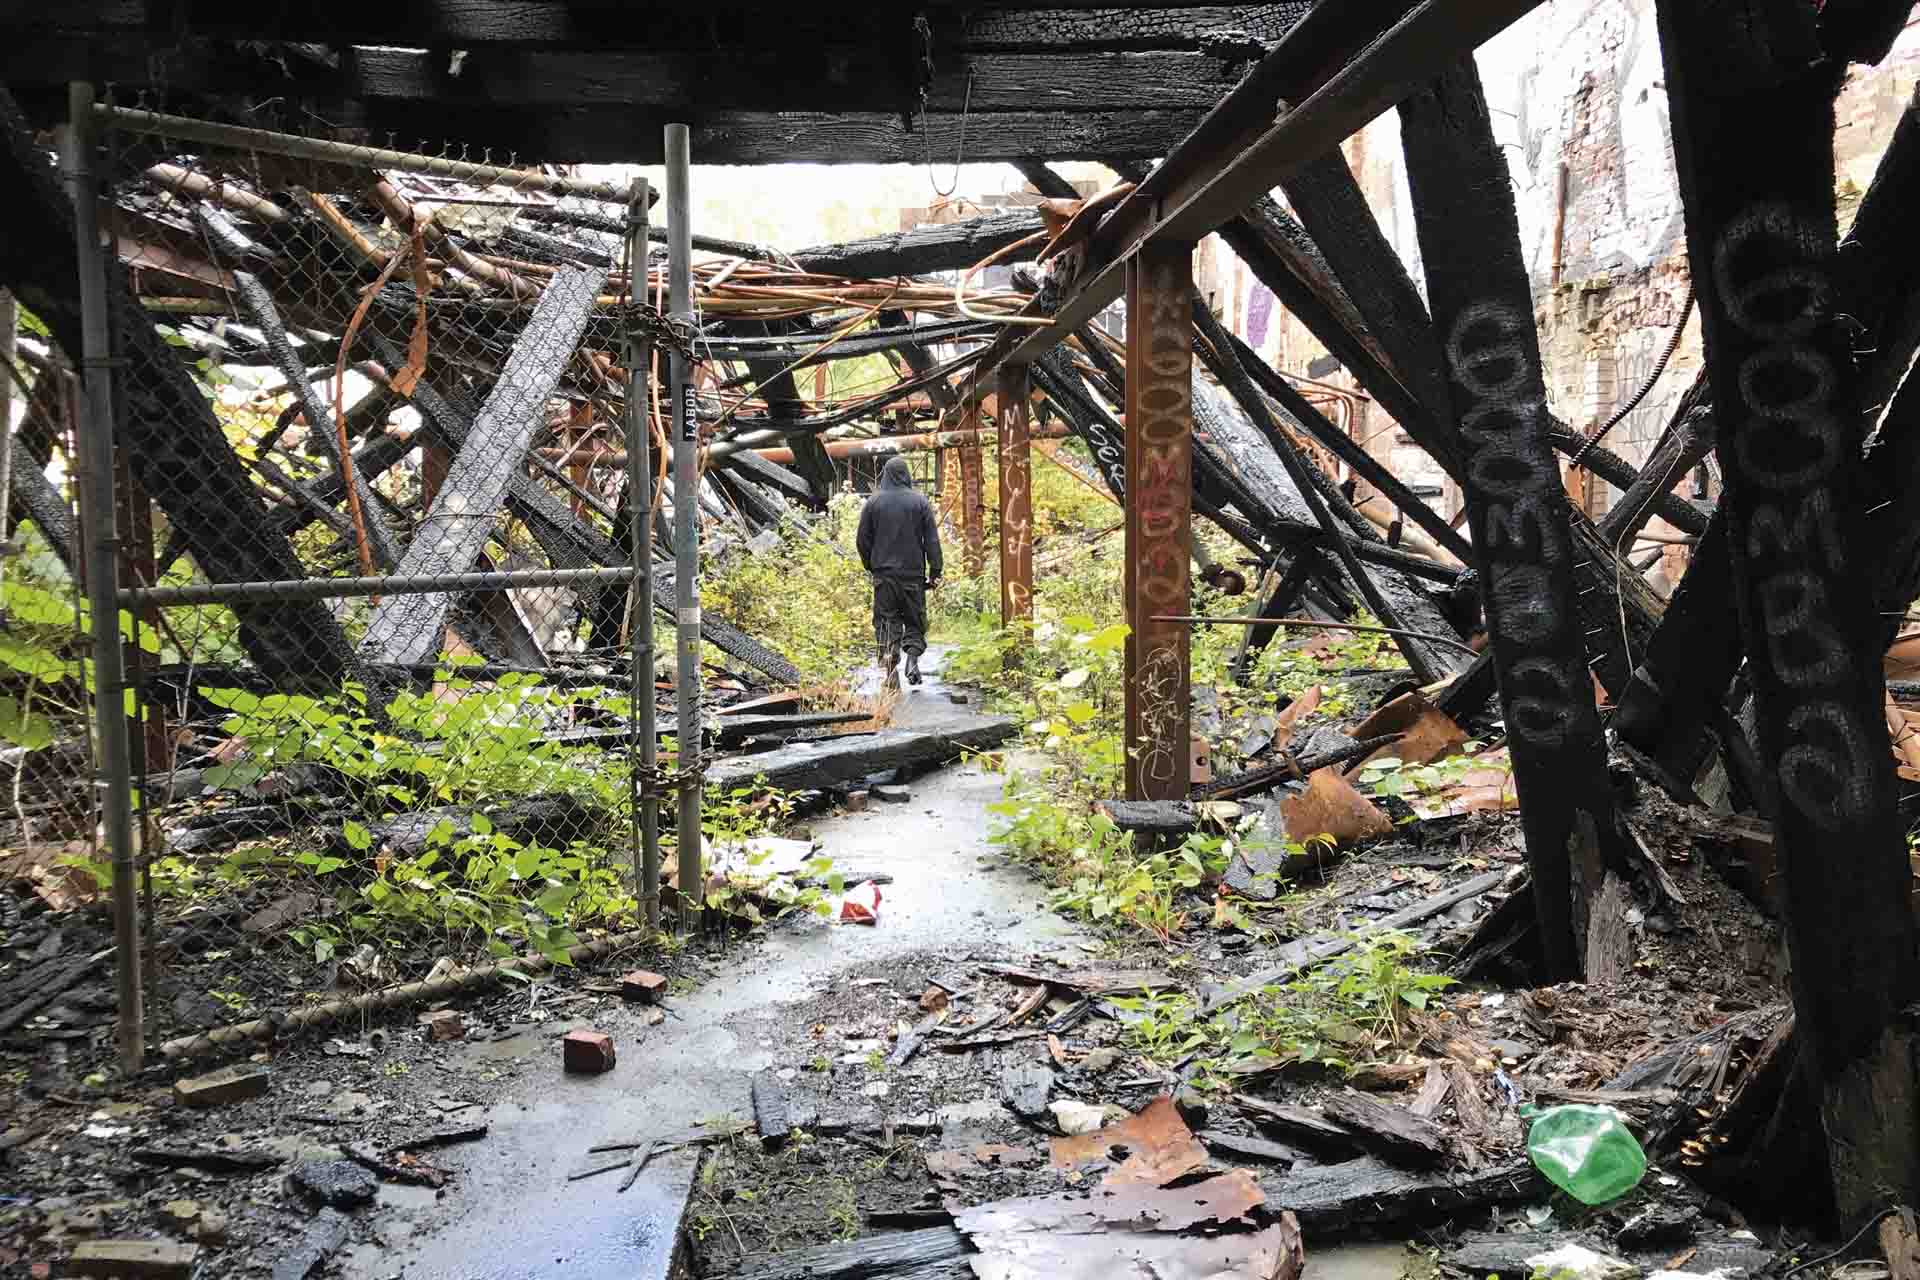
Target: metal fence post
640,541
686,541
96,473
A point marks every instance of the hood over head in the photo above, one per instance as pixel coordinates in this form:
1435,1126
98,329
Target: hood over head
896,474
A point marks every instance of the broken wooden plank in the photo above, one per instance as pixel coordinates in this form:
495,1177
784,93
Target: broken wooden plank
1087,982
1393,1133
408,628
1372,1197
903,1254
209,1159
1250,1148
30,990
806,766
770,1116
1306,953
1302,1124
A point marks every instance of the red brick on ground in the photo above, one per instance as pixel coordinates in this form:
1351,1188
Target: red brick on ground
588,1052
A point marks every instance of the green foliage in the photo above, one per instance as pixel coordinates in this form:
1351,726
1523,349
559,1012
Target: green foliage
1391,776
1335,1016
808,598
46,668
470,745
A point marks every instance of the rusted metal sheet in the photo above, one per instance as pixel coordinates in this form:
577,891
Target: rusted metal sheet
1159,1146
973,501
1143,1230
1159,509
1016,498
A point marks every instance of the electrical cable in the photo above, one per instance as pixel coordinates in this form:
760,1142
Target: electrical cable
1872,1222
1673,344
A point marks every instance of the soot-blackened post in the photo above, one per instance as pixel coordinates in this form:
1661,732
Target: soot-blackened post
1752,108
1159,508
1483,311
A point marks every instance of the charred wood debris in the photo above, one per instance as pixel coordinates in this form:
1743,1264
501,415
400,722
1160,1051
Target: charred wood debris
1640,969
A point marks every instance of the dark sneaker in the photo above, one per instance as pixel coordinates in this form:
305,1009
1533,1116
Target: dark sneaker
913,668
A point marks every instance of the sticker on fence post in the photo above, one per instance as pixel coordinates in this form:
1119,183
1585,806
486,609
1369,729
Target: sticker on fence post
689,423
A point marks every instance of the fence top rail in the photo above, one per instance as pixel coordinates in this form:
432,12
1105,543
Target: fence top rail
378,585
241,138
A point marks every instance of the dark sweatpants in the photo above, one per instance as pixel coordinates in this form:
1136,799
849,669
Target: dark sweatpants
900,612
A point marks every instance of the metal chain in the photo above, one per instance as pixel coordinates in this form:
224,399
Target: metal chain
676,335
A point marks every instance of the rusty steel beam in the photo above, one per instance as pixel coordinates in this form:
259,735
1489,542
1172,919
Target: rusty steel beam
973,499
1332,74
1016,498
1159,520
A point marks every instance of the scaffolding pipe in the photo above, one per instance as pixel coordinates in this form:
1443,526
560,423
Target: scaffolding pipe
686,540
640,597
238,138
102,558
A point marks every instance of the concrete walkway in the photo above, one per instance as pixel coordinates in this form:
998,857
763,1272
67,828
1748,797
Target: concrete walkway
514,1216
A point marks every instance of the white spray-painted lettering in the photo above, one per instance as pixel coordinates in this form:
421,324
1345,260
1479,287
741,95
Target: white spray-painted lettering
1769,272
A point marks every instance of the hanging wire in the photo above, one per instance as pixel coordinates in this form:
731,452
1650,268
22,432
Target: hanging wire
1673,344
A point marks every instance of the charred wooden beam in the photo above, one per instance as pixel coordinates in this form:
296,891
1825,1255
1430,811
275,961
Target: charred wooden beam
681,24
408,628
1335,213
800,351
1482,303
757,467
257,304
948,246
1349,451
812,766
1752,102
35,498
1396,604
175,447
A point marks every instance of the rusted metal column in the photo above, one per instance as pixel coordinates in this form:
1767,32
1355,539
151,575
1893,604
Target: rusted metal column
973,502
1016,499
1159,510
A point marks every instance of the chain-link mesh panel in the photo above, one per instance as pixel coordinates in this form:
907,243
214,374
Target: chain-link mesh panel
49,814
383,595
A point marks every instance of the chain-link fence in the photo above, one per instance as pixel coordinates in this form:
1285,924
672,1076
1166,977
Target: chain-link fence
389,658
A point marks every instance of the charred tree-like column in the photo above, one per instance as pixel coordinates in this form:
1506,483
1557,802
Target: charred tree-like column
1159,509
1483,310
1752,100
1016,499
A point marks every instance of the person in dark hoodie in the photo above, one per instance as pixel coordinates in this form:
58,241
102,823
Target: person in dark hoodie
899,544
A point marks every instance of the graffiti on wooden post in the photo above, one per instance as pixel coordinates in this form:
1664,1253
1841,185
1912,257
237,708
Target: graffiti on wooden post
1519,516
1159,471
1787,449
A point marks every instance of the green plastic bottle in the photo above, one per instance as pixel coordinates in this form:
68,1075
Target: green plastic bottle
1586,1151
